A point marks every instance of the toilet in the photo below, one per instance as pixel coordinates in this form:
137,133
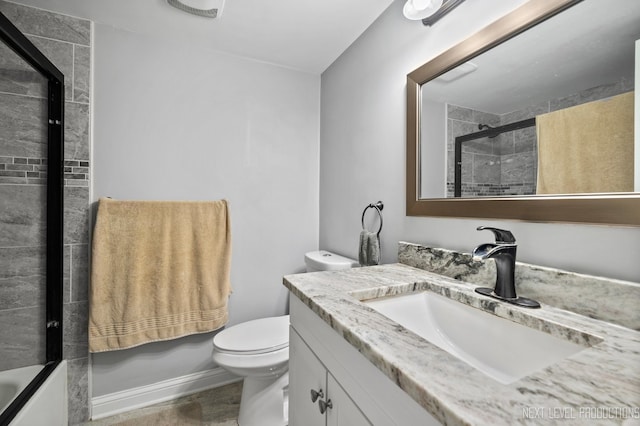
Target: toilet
258,350
325,261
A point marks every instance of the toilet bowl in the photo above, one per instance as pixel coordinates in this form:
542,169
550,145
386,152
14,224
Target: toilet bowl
258,350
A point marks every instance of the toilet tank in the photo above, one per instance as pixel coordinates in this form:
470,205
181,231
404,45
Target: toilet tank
323,260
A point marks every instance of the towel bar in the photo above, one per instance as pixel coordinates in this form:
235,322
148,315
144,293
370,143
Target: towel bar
378,206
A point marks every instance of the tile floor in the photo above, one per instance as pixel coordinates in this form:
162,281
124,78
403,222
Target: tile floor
214,407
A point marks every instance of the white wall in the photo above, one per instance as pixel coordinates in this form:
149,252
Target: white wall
176,123
362,154
636,124
433,149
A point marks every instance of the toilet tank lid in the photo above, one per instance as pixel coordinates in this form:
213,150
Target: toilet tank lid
256,336
327,261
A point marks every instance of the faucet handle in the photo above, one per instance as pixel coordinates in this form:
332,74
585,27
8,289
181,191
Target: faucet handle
502,235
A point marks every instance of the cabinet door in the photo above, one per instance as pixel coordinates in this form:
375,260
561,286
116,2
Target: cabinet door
306,373
343,411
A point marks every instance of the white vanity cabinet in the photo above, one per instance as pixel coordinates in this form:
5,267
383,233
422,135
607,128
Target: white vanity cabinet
360,394
315,397
345,412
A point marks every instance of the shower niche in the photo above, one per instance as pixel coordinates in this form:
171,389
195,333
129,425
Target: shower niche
31,217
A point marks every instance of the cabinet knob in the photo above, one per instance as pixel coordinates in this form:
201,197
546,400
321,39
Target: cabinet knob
324,405
316,394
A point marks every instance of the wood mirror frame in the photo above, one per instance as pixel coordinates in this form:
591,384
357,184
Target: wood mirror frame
612,208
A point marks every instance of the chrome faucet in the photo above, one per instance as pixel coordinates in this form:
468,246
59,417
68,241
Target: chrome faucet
504,254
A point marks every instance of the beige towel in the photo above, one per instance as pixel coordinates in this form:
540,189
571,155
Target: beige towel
587,148
160,270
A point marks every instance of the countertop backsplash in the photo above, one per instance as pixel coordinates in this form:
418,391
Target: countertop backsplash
605,299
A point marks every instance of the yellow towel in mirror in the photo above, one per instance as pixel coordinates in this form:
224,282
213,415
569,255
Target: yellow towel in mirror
587,148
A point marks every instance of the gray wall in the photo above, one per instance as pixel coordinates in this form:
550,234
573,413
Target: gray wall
175,122
362,155
66,42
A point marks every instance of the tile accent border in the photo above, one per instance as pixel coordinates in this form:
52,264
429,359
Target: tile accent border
33,171
76,173
605,299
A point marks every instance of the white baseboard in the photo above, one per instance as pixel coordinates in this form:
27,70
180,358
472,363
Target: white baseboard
166,390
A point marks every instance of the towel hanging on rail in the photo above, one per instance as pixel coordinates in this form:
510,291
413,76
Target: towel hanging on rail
369,249
160,270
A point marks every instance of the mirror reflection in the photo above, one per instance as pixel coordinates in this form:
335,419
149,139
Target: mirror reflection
551,111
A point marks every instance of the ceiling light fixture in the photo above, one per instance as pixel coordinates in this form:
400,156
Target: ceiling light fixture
429,11
206,8
420,9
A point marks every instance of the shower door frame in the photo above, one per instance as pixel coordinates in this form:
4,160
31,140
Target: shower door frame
491,132
21,45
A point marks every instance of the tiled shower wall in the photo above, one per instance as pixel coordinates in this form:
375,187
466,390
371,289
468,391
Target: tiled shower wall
504,165
507,164
66,41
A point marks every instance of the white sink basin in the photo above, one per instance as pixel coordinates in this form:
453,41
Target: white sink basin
502,349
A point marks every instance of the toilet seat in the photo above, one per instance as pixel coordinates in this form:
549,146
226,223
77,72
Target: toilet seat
255,337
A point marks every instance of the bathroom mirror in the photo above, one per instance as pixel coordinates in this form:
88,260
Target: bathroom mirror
490,100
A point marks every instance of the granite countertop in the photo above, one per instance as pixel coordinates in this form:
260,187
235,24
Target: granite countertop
598,385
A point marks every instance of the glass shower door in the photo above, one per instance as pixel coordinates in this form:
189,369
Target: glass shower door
23,200
30,218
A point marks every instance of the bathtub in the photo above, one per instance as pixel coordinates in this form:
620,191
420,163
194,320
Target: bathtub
47,406
12,382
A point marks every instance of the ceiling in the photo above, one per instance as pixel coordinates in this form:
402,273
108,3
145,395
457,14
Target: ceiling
300,34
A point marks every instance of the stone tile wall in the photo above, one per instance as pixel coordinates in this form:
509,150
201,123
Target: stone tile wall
480,162
504,165
507,164
66,41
